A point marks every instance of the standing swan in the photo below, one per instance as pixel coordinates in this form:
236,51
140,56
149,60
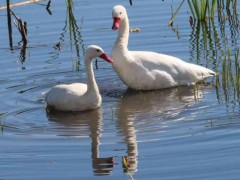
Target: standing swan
78,96
142,70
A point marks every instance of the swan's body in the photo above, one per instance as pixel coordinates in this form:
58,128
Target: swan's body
144,70
79,96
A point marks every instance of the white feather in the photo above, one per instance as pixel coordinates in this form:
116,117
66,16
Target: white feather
144,70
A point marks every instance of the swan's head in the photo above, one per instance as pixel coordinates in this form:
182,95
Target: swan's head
119,13
94,51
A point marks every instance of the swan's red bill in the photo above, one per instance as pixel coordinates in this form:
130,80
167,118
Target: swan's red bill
116,23
106,58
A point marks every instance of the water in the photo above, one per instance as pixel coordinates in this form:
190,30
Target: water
165,134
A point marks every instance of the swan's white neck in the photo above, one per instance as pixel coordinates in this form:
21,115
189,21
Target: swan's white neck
91,82
123,34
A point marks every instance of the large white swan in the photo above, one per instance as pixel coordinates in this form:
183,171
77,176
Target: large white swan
78,96
144,70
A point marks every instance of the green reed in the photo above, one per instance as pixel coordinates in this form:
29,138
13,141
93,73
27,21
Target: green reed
175,13
230,75
125,165
72,21
74,31
204,42
202,9
205,9
214,44
227,3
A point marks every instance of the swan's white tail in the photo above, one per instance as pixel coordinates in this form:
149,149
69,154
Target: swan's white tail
45,93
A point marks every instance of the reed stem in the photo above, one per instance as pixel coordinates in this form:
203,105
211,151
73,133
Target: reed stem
9,24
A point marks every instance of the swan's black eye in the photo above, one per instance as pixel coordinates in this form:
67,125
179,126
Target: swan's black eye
98,50
120,13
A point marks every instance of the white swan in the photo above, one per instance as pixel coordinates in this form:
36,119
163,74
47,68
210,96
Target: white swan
142,70
78,96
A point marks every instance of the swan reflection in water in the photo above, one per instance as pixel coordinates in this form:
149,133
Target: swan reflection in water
134,112
142,112
79,124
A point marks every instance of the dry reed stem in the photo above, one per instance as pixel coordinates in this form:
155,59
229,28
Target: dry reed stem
21,4
21,28
9,24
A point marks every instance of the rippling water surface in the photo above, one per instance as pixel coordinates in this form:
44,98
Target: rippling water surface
179,133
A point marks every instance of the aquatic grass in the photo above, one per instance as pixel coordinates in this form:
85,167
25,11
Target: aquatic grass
195,90
227,3
230,75
237,73
179,89
225,79
72,22
205,42
202,9
175,13
234,75
125,165
205,9
74,33
1,124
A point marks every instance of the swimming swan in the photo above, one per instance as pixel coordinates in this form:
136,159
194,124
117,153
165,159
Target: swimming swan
142,70
79,96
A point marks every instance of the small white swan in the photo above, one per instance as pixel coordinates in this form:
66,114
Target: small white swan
142,70
78,96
